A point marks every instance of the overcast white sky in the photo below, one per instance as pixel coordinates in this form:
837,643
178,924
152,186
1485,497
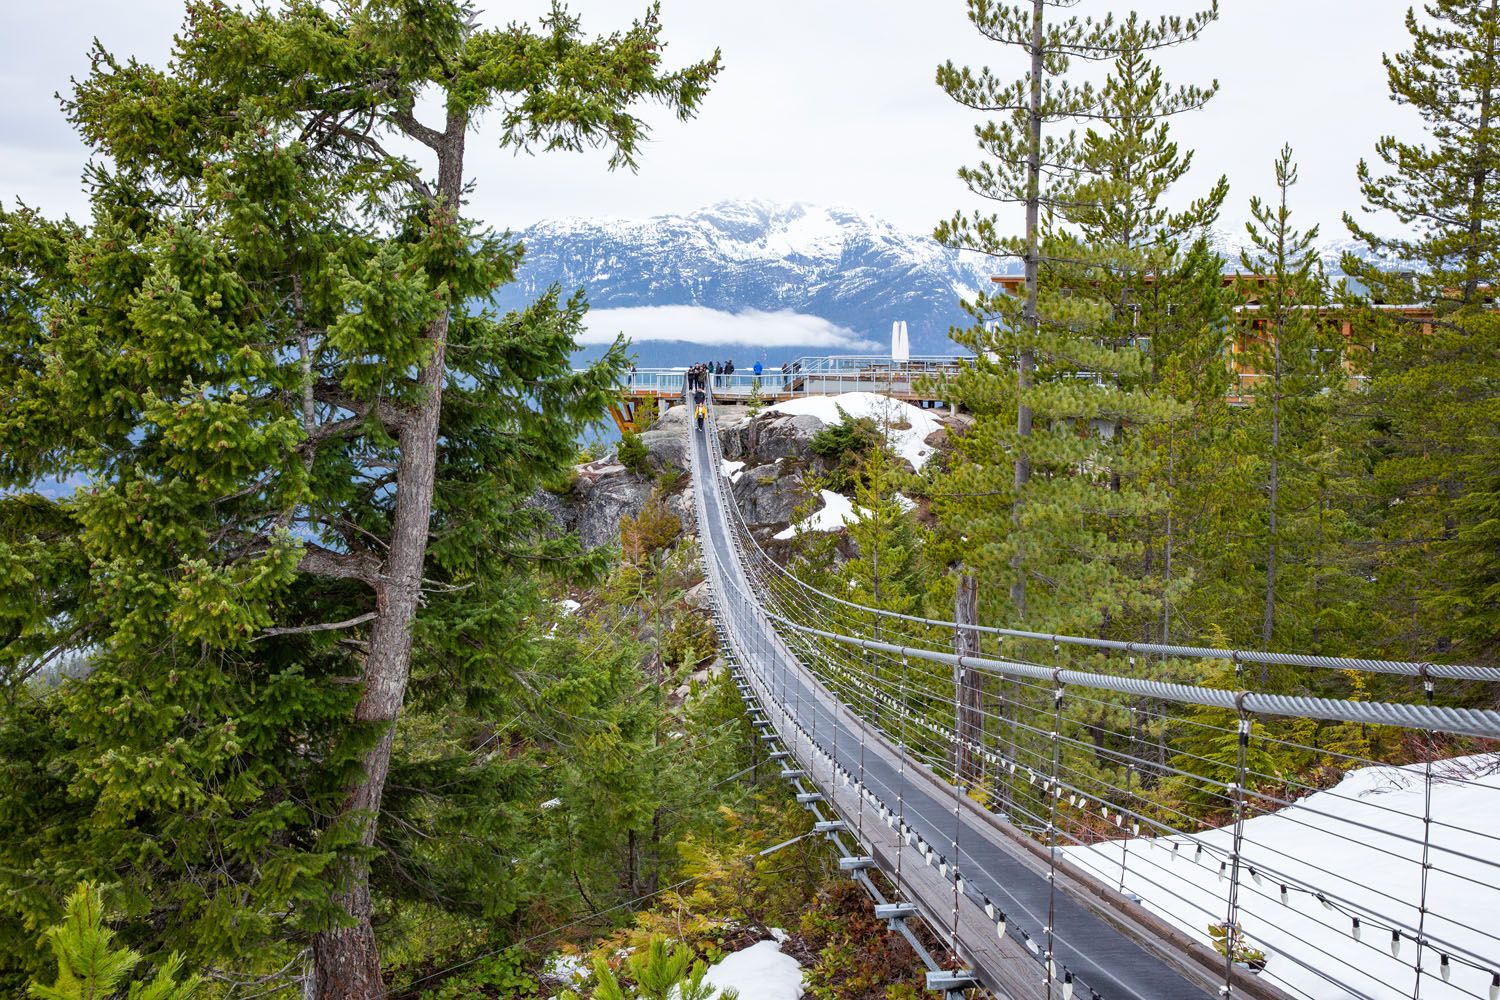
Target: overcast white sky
821,101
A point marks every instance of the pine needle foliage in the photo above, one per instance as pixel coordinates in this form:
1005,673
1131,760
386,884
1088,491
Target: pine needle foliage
89,967
1050,494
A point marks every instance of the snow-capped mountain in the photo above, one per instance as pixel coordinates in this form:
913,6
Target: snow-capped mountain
801,279
1330,251
758,281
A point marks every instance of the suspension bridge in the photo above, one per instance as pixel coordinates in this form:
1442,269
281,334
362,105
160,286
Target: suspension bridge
998,780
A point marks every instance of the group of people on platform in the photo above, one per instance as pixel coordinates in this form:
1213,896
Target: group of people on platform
697,375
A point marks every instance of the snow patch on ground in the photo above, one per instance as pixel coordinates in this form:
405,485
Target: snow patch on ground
569,605
568,969
760,972
1360,845
732,469
908,442
837,511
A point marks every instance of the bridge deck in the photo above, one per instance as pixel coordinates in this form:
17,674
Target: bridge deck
1113,948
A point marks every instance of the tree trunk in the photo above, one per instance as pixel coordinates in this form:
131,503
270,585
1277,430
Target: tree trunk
968,686
1472,255
1268,622
1026,359
347,960
1166,595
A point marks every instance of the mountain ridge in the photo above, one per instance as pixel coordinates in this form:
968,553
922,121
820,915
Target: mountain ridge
803,279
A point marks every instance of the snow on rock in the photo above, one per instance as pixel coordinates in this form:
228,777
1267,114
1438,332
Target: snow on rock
908,426
732,469
1359,844
837,511
569,605
760,972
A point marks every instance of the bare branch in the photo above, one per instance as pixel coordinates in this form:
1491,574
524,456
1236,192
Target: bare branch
320,627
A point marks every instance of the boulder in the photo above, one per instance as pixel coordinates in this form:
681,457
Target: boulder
676,419
604,492
767,496
734,432
697,595
666,448
680,502
773,435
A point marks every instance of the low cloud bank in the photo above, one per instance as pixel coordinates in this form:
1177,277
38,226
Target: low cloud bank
701,325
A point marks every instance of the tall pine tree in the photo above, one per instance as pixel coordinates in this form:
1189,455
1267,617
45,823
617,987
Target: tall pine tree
1299,453
1038,485
1433,379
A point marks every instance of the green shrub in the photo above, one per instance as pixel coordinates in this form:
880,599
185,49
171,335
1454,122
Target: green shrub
846,445
503,975
633,454
656,974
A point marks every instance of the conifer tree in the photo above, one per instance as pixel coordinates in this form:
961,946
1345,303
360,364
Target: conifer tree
1185,312
89,967
1134,257
1432,381
884,572
1050,383
1290,350
270,355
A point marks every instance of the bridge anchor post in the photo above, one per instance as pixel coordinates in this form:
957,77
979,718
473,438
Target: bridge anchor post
951,983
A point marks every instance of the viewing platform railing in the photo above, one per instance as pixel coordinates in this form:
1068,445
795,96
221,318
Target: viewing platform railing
808,376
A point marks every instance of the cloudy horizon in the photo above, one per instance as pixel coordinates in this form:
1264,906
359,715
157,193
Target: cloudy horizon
751,328
824,104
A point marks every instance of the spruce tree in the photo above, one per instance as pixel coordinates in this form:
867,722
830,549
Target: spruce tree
307,443
1433,377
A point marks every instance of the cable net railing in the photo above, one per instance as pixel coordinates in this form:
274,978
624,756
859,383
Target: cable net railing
1162,773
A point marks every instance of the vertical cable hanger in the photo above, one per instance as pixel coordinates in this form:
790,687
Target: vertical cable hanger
1232,936
863,733
1129,775
1416,990
958,793
1053,788
901,827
